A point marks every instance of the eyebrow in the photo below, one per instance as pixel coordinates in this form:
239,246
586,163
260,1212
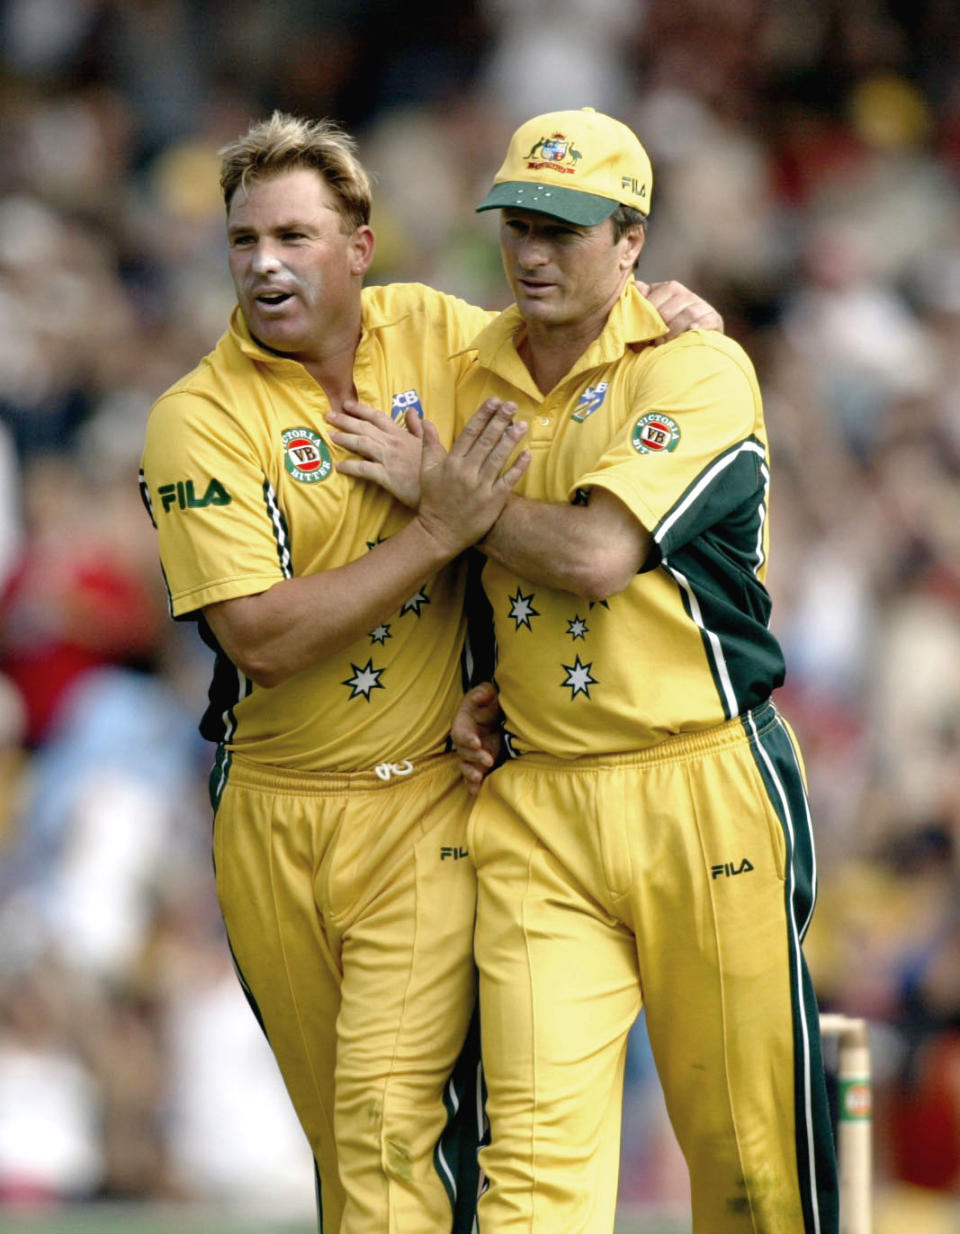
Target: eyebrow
286,225
547,221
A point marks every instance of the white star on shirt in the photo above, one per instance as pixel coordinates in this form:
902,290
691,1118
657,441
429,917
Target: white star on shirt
577,628
380,634
521,610
579,678
364,680
414,603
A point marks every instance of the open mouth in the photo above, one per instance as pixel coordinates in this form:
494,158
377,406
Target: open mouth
272,298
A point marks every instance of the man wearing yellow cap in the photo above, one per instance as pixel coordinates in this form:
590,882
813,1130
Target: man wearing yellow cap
648,840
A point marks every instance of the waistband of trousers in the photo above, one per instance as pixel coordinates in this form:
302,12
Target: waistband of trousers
739,731
245,772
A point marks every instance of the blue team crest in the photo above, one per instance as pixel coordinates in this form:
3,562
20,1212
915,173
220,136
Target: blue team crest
554,149
590,401
557,150
403,402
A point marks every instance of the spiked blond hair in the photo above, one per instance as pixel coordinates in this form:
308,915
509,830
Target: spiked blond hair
286,143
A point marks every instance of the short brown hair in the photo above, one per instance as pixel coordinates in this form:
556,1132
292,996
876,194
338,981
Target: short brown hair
286,143
625,217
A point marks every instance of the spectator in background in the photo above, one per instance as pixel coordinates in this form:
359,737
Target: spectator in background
78,597
777,120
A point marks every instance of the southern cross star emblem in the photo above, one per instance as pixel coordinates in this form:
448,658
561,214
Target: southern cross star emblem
521,610
413,605
380,634
602,603
577,628
579,678
364,680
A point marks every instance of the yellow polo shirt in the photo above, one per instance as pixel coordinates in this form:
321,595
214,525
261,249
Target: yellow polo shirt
238,473
676,432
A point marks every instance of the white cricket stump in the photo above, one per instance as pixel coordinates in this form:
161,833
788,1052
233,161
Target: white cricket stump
854,1122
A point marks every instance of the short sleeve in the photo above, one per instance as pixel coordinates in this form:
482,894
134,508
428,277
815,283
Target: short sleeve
689,443
220,530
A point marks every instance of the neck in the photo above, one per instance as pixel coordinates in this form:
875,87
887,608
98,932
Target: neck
330,361
550,351
332,368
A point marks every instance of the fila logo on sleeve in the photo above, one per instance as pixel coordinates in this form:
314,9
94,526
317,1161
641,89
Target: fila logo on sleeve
183,494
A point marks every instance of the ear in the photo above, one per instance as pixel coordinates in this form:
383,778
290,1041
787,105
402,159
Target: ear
632,242
362,244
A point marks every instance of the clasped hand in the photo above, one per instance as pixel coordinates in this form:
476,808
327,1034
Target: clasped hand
457,494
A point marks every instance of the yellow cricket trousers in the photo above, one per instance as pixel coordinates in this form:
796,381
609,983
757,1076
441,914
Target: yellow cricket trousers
349,905
680,878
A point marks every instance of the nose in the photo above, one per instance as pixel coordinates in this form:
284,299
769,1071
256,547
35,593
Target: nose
532,252
264,259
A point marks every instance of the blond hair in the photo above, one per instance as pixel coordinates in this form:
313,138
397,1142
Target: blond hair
286,143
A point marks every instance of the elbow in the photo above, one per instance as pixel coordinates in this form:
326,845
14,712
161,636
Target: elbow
251,641
602,576
604,570
601,587
266,679
261,672
262,668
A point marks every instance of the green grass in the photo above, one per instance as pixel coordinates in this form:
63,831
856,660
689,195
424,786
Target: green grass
142,1219
150,1219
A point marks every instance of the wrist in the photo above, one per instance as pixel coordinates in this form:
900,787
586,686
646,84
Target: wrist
491,542
440,543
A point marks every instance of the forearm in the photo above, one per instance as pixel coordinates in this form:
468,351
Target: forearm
299,621
592,551
541,541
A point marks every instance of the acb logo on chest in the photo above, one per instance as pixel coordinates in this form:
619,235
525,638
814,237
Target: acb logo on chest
402,403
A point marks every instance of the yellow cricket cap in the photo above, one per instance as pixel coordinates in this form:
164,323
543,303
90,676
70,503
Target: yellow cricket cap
575,165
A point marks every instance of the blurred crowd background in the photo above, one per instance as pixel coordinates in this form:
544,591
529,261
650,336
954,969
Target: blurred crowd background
807,160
